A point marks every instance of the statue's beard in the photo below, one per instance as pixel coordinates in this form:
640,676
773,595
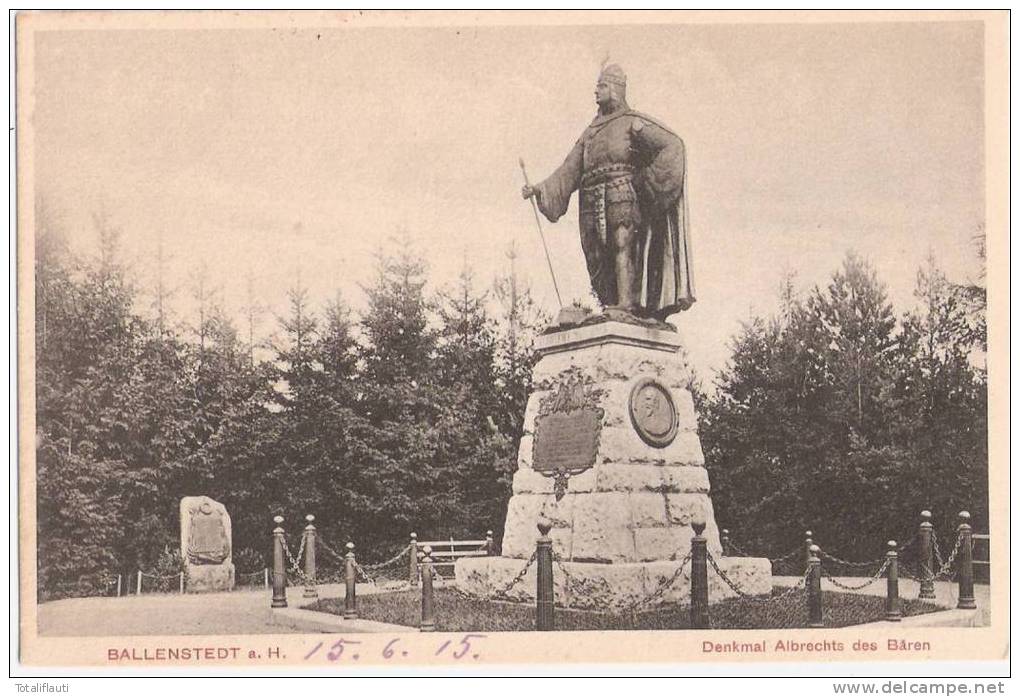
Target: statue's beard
613,104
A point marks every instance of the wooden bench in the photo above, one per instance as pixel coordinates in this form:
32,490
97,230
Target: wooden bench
445,553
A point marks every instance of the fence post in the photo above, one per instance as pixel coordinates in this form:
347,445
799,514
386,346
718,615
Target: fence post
724,540
412,552
428,613
699,577
545,620
310,590
351,582
182,583
892,594
814,587
265,577
118,585
490,546
925,542
138,586
965,574
279,572
808,543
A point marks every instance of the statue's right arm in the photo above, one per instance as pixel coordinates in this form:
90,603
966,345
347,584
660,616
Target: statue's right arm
553,194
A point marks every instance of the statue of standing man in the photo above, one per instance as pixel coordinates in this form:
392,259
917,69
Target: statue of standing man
631,173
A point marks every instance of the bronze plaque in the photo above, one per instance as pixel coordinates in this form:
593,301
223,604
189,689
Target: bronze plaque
566,440
653,413
208,543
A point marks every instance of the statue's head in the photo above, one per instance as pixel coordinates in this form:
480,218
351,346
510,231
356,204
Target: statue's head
611,88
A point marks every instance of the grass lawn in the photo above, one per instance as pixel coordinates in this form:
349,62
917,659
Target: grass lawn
456,613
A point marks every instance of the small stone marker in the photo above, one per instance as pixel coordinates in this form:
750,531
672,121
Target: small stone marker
206,544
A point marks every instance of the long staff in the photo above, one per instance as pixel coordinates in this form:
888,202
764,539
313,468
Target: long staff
538,221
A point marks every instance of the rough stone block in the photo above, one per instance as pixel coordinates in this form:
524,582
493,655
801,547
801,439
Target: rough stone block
647,510
472,575
676,586
687,418
208,578
685,479
753,576
528,481
623,445
603,586
531,411
684,508
551,369
611,586
619,362
524,451
602,528
614,476
523,513
655,544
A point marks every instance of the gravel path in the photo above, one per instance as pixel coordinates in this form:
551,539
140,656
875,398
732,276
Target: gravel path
239,612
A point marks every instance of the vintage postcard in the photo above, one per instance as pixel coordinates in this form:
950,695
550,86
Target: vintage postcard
413,339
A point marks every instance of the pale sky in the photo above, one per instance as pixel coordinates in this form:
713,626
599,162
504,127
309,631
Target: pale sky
268,151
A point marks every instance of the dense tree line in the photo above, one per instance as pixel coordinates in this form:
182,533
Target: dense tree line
405,418
835,415
840,417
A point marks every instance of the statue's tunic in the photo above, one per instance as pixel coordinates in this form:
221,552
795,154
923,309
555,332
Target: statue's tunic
630,171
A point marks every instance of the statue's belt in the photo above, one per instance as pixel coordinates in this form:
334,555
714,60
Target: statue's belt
607,173
596,184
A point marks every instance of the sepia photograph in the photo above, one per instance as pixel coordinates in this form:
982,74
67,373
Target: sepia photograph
474,338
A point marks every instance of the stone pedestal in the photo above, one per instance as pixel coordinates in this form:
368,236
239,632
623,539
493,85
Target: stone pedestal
206,545
622,524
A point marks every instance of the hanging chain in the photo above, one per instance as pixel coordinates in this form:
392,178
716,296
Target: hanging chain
571,581
358,568
935,549
788,556
854,564
870,581
330,550
664,585
157,577
743,594
389,562
502,593
295,563
945,568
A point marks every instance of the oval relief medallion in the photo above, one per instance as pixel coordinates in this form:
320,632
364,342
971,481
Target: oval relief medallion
653,413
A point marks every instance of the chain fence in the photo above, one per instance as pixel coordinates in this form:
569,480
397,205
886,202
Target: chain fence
859,587
854,567
504,592
252,579
161,583
779,609
664,585
946,568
